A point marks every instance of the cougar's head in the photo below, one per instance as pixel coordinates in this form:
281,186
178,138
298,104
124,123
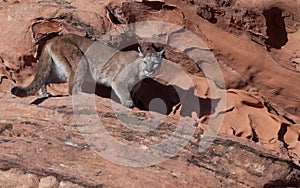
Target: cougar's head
150,61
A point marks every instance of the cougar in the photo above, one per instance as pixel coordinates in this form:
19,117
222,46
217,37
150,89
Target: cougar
68,58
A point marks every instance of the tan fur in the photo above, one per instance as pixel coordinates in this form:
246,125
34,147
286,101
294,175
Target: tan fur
68,58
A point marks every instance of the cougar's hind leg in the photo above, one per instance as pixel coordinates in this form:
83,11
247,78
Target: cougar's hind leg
76,67
71,82
78,76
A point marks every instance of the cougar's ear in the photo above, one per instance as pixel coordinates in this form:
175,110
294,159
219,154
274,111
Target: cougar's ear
161,53
141,53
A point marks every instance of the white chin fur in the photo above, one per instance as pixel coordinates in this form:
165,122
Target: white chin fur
148,74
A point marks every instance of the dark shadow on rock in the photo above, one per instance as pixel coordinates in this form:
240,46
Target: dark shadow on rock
39,100
42,99
168,97
276,29
100,90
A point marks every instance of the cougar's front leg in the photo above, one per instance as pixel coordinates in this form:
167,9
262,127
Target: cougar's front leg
122,92
43,91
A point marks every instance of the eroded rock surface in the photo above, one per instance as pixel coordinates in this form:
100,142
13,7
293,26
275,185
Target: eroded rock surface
57,153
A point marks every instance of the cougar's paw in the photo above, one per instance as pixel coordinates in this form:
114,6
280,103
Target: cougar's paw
128,103
45,95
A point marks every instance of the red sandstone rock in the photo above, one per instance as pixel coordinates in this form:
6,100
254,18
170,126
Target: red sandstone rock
40,141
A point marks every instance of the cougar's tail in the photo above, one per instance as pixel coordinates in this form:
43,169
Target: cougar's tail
40,77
